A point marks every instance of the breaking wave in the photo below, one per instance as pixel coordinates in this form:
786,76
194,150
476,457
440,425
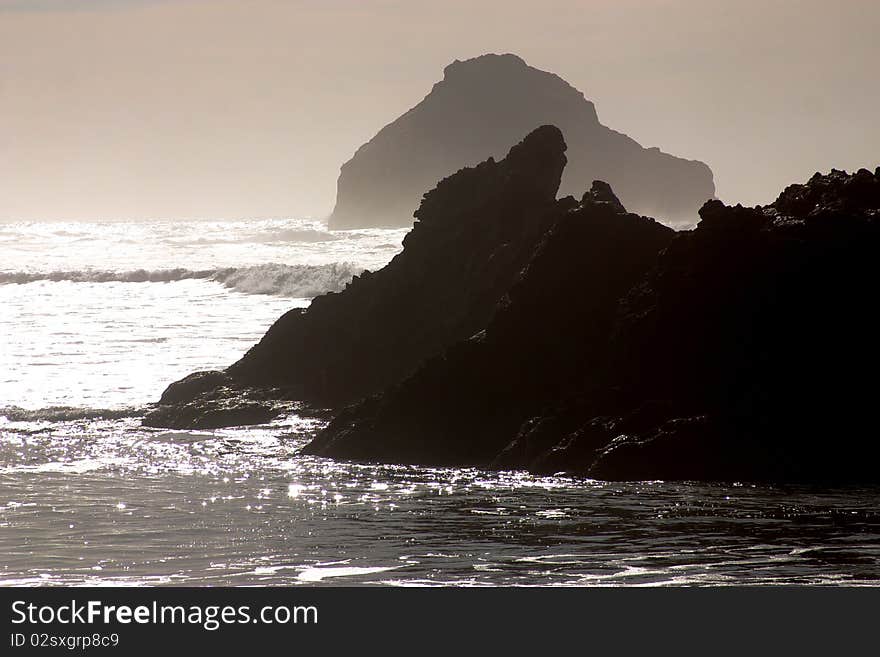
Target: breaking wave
66,414
283,280
289,280
286,235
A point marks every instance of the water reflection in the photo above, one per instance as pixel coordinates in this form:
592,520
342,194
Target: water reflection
107,502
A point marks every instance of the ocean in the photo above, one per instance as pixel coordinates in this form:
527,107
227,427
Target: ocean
96,318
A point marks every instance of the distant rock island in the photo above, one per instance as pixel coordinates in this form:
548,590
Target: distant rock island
483,105
520,331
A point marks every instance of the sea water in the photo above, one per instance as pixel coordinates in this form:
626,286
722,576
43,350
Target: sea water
96,318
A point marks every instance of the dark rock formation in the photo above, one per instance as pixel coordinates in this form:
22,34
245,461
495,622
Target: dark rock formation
548,337
760,328
481,106
211,400
475,232
742,350
520,331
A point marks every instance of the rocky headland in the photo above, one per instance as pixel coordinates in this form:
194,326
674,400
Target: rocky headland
480,107
517,330
474,233
742,350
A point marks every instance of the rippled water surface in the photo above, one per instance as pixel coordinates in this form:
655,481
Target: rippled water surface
106,502
88,496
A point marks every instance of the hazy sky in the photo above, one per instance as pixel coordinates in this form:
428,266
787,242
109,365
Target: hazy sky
195,108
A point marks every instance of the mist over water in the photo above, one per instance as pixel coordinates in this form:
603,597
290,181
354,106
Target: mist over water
229,108
97,318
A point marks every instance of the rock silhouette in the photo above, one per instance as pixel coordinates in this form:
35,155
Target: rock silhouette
475,232
741,350
518,330
547,338
483,105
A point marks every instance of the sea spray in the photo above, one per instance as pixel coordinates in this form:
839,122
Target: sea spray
297,281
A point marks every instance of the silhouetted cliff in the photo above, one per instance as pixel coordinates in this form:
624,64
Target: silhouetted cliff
481,106
475,232
743,349
548,338
516,330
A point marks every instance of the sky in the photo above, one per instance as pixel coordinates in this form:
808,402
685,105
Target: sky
247,108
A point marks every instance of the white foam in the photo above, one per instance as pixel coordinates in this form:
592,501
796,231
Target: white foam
65,414
298,281
317,574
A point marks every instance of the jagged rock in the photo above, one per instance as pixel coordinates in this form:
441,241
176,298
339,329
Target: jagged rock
481,106
834,192
761,323
741,350
520,331
475,232
601,192
193,403
211,414
548,338
571,436
192,386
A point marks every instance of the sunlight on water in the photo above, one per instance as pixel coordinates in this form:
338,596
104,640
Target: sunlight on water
165,244
82,330
113,503
121,343
318,574
89,497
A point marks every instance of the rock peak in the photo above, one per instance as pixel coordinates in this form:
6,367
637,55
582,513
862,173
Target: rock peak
480,107
533,167
601,192
484,62
837,190
545,140
824,195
